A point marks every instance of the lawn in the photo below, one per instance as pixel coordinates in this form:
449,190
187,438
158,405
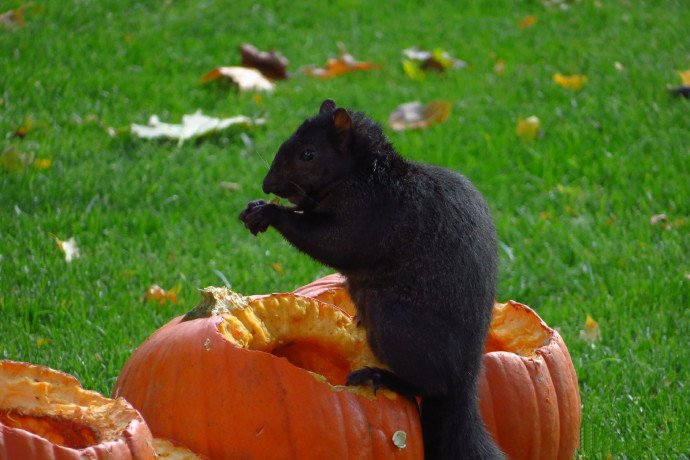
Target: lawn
573,208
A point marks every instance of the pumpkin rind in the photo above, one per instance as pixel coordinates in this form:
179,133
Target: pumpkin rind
196,387
530,402
47,415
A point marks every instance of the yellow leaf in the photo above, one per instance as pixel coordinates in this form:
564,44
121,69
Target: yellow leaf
156,293
42,163
413,70
591,333
40,342
527,21
684,77
572,82
528,128
69,247
277,267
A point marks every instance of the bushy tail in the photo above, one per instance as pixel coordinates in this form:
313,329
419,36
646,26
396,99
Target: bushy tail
453,429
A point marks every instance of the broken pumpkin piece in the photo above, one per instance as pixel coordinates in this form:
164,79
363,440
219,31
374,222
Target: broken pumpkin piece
46,414
248,363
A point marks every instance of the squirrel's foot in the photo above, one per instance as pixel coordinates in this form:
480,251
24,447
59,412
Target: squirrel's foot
381,378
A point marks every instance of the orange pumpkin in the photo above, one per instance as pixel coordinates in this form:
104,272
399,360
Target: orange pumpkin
261,377
46,414
528,394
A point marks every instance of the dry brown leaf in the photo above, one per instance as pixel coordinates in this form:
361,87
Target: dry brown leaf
245,78
591,333
345,63
24,129
270,63
415,115
156,293
13,18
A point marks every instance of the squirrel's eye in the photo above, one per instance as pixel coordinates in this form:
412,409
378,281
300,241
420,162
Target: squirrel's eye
308,155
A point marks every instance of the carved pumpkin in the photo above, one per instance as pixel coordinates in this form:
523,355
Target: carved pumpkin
261,377
528,394
46,414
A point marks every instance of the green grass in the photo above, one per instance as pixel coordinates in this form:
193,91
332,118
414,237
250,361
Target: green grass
572,208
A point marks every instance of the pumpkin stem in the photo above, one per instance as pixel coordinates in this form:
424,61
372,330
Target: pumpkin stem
214,301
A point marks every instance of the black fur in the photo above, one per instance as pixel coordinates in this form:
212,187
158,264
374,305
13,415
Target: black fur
418,247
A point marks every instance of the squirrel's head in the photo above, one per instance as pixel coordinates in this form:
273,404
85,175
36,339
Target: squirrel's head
314,159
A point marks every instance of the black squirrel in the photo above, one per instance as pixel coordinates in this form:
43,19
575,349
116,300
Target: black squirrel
418,247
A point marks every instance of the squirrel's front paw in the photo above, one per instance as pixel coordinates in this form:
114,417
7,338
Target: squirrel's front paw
258,216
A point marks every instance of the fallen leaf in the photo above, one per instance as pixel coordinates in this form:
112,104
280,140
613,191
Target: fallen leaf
13,18
591,333
345,63
24,129
500,67
41,342
245,78
277,267
270,63
528,128
194,125
69,247
684,88
415,115
413,70
527,21
572,82
657,218
42,163
12,160
230,186
156,293
439,59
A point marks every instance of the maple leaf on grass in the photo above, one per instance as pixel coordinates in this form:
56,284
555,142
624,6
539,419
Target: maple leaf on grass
415,115
245,78
345,63
270,63
194,125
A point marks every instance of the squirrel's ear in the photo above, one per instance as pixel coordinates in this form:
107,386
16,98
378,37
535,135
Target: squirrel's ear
342,121
327,106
